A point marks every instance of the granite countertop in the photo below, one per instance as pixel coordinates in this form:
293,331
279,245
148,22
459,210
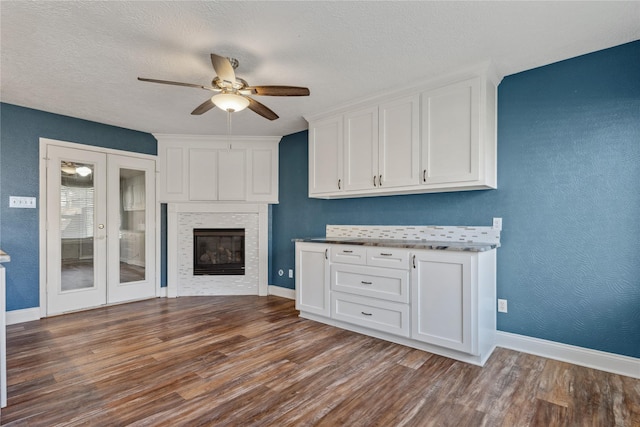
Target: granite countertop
4,257
408,244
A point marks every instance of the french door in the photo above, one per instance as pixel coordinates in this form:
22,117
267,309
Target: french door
100,229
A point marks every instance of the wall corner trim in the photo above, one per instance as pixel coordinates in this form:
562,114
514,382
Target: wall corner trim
279,291
595,359
24,315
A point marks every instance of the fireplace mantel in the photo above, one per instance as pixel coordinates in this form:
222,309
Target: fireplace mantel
182,218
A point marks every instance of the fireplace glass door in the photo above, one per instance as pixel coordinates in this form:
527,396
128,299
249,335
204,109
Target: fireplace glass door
218,251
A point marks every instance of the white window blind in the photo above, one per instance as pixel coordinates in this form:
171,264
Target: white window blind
76,212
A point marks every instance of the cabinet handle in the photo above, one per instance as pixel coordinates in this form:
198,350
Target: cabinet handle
374,181
339,186
380,181
414,261
366,314
347,252
366,283
326,251
424,175
383,254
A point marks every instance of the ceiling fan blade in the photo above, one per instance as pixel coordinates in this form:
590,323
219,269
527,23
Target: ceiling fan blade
167,82
203,108
279,90
261,109
223,68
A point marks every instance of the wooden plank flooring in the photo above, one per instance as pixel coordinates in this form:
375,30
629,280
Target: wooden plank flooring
251,361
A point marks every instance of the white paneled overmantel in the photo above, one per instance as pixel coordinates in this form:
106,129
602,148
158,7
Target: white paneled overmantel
183,218
213,168
432,136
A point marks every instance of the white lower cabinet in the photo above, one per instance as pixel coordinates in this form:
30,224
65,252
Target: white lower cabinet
383,283
441,312
371,313
312,270
434,300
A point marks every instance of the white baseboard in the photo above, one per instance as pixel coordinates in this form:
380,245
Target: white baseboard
603,361
279,291
24,315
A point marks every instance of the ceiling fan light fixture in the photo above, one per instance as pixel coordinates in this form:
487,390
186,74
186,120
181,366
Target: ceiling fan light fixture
83,171
230,102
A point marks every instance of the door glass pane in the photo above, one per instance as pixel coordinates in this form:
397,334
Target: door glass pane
132,225
76,225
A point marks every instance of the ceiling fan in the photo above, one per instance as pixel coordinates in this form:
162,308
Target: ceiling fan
233,92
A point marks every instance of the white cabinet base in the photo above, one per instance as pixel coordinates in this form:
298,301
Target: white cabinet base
441,351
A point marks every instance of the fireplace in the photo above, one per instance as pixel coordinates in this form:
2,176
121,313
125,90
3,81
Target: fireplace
218,251
183,218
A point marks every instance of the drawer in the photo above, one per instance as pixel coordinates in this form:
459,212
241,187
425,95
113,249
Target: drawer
384,283
386,257
375,314
349,254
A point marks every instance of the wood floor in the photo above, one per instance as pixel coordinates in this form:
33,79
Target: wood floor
251,361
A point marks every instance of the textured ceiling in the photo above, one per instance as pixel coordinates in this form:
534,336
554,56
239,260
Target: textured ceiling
82,59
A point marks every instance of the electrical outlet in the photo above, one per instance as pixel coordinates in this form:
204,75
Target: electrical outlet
291,273
502,305
497,224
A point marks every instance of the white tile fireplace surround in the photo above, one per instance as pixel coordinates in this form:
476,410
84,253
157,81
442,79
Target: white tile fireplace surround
182,218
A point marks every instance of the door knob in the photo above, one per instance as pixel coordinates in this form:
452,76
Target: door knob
100,226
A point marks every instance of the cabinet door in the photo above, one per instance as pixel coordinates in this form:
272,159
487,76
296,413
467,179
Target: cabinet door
203,174
325,156
173,173
312,278
361,149
262,174
232,174
441,312
399,145
450,133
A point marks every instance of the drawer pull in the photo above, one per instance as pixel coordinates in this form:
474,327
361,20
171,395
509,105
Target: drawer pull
383,254
347,252
326,251
366,283
414,261
366,314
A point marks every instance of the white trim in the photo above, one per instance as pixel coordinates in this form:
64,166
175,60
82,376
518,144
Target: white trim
279,291
595,359
25,315
216,138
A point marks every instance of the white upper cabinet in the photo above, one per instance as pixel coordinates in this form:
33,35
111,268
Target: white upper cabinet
382,145
437,136
325,156
399,148
360,149
459,136
214,168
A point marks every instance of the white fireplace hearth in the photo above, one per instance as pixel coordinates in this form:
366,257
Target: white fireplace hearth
183,218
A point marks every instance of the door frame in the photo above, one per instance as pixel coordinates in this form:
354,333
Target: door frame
42,256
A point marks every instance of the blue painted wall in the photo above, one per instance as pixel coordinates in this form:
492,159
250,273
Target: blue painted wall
569,195
20,130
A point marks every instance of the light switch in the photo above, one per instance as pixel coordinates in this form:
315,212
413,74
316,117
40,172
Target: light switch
22,202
